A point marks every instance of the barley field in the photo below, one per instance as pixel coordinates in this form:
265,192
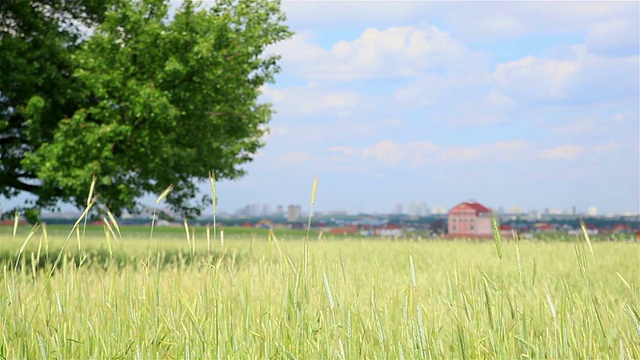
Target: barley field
101,294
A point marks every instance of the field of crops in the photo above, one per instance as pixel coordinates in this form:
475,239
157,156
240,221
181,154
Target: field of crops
271,296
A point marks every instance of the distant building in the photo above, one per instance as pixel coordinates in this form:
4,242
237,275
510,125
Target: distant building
398,209
534,216
552,211
506,230
439,210
542,227
620,229
294,212
470,219
413,210
389,231
423,209
254,210
346,230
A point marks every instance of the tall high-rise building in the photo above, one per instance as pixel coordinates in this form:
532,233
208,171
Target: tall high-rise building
439,210
398,208
423,209
294,212
534,215
413,209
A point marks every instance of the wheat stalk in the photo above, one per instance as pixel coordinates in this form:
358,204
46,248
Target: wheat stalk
162,196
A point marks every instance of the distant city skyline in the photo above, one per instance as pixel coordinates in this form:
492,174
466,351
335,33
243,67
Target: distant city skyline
419,208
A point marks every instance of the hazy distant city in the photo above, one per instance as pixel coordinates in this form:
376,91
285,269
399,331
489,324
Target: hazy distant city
414,210
469,219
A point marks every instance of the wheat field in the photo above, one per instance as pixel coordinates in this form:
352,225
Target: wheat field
257,297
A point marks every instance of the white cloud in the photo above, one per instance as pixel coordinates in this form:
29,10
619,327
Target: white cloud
472,20
626,117
273,95
565,152
396,52
385,151
606,147
340,100
344,151
415,154
534,77
461,154
299,49
294,158
593,126
326,130
480,21
501,151
579,78
296,101
619,37
499,100
603,79
421,154
578,127
458,81
336,14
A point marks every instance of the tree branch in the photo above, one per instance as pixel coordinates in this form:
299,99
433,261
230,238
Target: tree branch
19,185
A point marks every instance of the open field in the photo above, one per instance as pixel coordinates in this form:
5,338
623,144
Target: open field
256,296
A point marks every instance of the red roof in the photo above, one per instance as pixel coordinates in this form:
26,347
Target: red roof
479,208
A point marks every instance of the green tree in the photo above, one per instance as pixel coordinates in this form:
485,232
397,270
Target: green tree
37,89
150,98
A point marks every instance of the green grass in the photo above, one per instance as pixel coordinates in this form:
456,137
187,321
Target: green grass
169,232
360,298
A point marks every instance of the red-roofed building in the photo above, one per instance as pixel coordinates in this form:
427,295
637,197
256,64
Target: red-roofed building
506,230
344,230
470,219
543,227
620,228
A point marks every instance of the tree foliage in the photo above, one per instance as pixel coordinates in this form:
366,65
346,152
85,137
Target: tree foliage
137,94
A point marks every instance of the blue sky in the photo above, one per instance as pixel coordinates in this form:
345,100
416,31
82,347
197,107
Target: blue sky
527,104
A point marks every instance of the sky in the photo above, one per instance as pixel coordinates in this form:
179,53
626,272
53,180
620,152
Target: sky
527,104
